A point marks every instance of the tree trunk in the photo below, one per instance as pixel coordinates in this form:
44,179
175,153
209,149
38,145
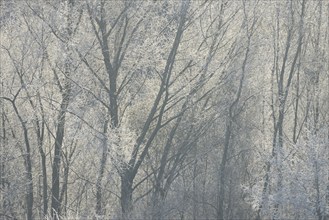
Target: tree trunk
99,208
221,194
55,200
126,194
28,167
44,184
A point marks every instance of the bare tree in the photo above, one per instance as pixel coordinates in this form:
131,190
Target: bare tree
283,87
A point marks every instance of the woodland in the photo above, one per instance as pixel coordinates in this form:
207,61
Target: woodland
164,109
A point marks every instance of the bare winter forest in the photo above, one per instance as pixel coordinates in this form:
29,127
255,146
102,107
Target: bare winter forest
164,109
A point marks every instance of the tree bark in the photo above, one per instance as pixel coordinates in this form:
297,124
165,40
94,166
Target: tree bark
55,191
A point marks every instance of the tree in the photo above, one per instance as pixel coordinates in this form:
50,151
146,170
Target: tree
164,109
283,84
